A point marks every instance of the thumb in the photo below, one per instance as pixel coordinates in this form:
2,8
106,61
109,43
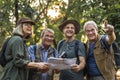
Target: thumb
105,23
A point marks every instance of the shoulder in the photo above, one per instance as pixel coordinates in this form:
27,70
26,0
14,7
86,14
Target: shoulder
54,49
61,41
103,36
32,47
16,38
79,42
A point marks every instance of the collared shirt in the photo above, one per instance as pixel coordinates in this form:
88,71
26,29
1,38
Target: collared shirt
44,56
44,59
92,66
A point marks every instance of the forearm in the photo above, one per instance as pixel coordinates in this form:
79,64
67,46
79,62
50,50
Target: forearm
32,65
111,37
82,63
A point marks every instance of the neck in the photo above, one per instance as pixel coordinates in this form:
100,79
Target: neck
70,39
95,40
46,47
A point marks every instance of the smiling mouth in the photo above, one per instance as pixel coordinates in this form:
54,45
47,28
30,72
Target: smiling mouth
70,32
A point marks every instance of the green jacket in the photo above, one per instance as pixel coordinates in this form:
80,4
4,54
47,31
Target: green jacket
104,61
17,56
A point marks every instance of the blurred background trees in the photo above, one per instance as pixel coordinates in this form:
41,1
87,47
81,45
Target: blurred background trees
51,13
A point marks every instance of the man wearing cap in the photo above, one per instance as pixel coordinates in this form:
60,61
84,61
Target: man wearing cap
72,48
16,54
100,63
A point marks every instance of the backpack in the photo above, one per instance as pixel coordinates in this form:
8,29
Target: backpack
116,51
3,61
76,52
76,48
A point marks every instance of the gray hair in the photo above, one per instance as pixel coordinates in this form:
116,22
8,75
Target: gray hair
47,29
18,30
90,23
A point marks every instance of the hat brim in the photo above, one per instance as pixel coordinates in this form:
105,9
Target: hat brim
74,22
29,21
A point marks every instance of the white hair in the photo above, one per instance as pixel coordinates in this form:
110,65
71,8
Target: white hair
47,29
90,23
18,30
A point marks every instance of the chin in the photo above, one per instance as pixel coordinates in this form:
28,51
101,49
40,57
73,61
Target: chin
29,32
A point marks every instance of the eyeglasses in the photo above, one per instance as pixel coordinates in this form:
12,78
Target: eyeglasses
88,31
48,36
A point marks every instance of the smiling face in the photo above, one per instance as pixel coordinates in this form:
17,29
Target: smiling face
27,29
69,30
91,32
47,38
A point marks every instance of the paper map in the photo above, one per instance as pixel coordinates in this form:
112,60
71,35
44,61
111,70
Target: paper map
61,63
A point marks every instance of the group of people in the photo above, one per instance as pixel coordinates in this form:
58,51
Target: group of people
30,63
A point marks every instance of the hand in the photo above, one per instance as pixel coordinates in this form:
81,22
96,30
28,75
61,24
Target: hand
56,71
108,28
118,74
75,67
44,67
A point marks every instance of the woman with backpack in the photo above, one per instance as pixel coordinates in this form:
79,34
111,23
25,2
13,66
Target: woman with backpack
16,53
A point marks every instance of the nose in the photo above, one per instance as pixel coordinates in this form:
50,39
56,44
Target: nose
90,32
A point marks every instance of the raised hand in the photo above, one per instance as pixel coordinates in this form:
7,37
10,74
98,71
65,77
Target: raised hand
108,28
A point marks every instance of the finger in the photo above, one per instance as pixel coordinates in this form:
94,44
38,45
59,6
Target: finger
47,64
105,23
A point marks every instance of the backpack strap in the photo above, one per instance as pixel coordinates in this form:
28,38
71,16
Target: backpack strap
2,53
76,50
60,44
54,52
104,44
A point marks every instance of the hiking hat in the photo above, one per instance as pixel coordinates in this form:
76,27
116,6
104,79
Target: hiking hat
25,20
74,22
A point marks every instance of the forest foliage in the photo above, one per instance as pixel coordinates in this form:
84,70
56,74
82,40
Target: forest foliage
39,11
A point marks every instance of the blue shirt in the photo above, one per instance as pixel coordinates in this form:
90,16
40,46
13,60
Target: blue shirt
44,59
92,66
32,49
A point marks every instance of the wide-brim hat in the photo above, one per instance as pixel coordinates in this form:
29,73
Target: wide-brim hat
25,20
74,22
